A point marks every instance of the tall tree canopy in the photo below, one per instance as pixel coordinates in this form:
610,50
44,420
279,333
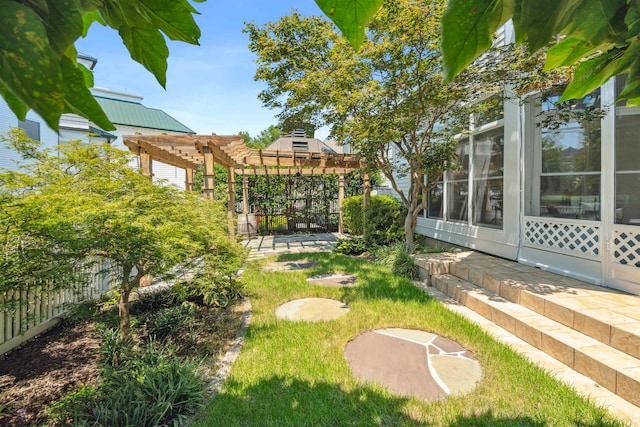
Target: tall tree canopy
600,36
39,68
388,101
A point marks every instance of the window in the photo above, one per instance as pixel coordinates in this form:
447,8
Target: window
569,174
458,184
627,177
488,166
30,128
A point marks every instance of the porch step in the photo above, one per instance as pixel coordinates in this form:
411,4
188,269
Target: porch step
591,329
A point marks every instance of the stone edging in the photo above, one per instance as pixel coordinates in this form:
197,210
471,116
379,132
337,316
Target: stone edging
227,361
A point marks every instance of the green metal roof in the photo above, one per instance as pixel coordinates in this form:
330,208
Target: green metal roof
135,114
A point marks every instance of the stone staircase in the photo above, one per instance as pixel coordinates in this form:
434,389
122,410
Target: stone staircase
591,329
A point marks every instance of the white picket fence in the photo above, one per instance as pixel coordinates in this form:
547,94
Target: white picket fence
35,308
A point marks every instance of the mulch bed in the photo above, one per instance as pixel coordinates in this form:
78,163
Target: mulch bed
67,357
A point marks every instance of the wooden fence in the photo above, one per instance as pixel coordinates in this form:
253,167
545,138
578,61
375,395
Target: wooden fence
33,309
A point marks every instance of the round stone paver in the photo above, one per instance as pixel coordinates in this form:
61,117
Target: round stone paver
395,358
334,280
312,310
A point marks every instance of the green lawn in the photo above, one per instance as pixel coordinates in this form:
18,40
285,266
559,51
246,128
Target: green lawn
294,374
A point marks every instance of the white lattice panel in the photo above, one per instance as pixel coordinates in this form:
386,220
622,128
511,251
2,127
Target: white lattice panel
577,238
626,248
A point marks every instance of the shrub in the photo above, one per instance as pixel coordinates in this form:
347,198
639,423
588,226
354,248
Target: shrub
385,219
153,300
353,246
114,351
210,289
398,259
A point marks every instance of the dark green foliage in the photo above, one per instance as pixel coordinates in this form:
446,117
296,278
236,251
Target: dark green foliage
115,352
398,259
385,219
353,246
153,301
209,289
167,320
155,388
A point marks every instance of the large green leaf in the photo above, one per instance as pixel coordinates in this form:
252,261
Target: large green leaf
350,16
174,18
64,23
29,69
570,50
78,98
597,21
467,30
536,22
18,107
595,72
147,46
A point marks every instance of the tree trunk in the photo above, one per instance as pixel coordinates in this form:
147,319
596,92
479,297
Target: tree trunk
409,227
123,311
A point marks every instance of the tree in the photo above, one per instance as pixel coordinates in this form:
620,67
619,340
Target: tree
388,102
100,208
263,139
600,37
39,68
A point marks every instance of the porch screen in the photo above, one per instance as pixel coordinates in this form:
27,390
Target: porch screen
570,168
488,166
458,184
627,210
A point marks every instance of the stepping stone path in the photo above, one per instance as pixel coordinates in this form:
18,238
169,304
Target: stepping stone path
301,264
395,358
333,280
312,310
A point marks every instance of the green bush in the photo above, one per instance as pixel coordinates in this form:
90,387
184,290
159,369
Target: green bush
154,300
210,289
385,219
353,246
397,258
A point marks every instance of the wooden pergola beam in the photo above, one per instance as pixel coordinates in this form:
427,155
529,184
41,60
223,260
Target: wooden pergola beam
294,171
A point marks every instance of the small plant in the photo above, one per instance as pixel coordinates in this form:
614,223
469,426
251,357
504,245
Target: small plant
71,409
154,300
398,259
82,311
353,246
115,352
167,320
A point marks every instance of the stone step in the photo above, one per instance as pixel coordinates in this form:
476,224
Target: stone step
613,369
607,315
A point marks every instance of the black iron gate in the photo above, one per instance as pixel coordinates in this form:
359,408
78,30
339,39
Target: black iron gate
298,204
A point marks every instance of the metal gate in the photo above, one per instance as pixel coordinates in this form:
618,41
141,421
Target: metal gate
297,204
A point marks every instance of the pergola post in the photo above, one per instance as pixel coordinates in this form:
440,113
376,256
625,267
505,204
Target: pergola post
340,200
188,179
366,202
209,183
245,193
231,201
146,164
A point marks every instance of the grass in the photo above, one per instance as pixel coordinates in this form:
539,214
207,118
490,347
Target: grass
295,374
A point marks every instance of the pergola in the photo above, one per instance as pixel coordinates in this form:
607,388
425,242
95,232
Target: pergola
190,151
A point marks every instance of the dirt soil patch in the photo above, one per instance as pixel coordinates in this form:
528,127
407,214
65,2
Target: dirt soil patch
67,357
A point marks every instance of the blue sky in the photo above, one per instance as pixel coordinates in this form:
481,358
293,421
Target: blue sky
210,88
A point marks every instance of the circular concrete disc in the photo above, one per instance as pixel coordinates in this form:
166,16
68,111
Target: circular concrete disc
312,310
333,280
413,363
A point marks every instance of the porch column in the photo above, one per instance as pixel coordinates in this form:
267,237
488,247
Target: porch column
146,165
340,199
365,202
231,201
245,193
188,179
209,183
